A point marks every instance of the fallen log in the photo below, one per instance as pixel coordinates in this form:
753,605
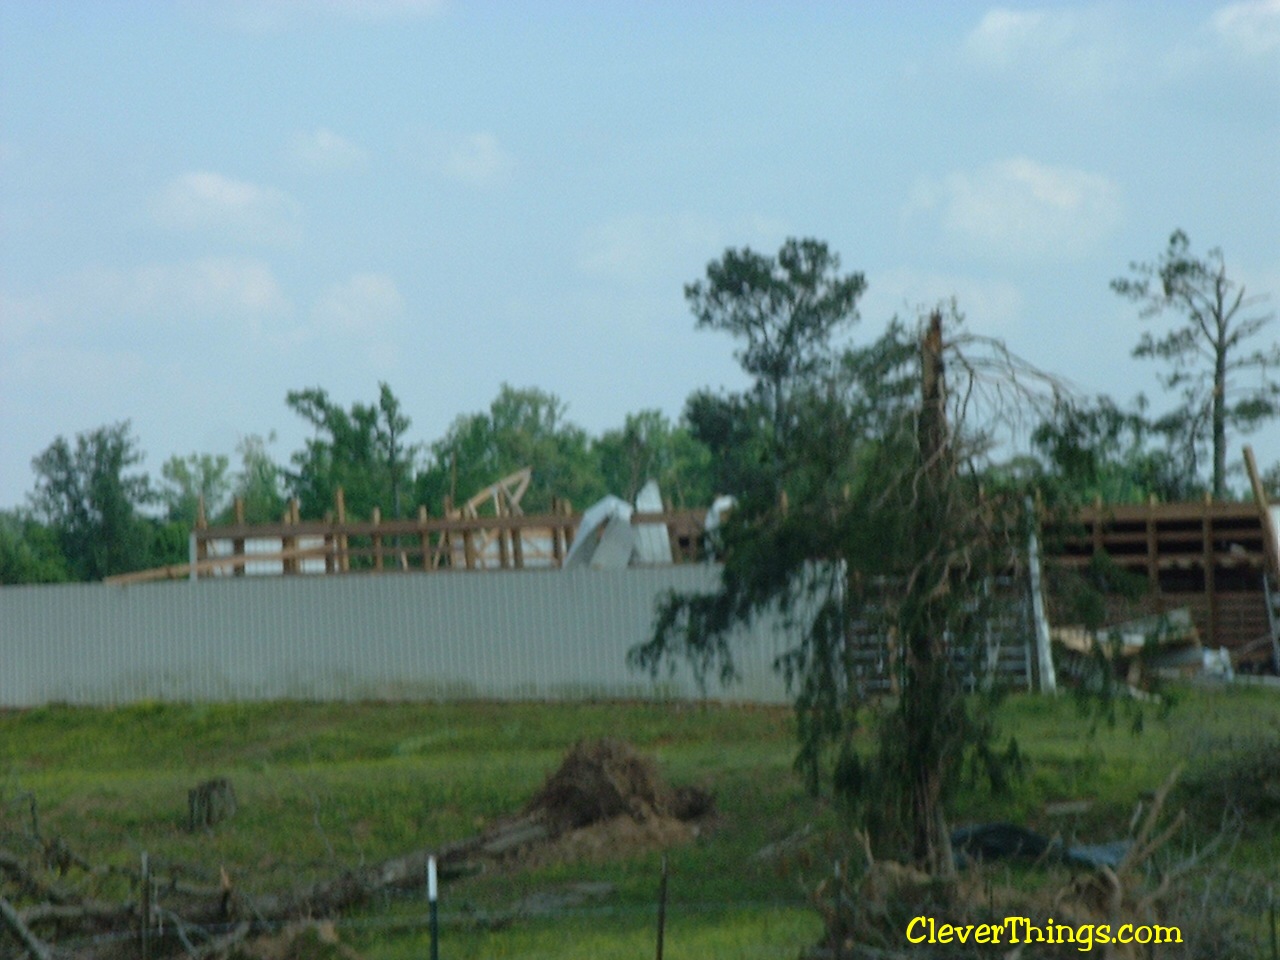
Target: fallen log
35,946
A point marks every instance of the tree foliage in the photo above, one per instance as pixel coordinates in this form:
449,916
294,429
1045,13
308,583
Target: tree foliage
785,311
361,450
1094,449
523,427
259,483
29,551
1208,352
195,478
648,446
90,496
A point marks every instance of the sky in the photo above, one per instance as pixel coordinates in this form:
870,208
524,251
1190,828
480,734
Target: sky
205,204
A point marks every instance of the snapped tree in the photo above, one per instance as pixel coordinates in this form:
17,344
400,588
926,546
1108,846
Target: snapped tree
886,532
1208,353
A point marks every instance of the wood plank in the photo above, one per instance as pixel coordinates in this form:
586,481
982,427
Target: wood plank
183,570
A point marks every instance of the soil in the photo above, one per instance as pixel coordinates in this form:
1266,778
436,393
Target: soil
601,780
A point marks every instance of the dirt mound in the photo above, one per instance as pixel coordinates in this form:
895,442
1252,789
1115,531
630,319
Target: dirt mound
308,940
600,780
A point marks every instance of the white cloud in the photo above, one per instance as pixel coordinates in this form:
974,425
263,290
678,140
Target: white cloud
1252,27
206,201
211,287
636,247
992,307
155,299
476,159
260,16
375,9
322,149
1019,208
363,305
20,317
1076,51
652,246
1006,37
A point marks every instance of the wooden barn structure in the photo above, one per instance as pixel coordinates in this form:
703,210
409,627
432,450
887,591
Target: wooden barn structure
1217,560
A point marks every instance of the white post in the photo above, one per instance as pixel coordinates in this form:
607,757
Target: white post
435,915
1048,679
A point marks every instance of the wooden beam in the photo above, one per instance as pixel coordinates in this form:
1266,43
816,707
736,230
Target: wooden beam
237,546
183,570
1263,507
425,538
1153,548
340,512
1210,565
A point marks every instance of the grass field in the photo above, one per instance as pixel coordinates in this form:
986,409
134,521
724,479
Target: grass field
322,786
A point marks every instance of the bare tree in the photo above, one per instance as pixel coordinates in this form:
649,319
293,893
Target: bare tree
1209,353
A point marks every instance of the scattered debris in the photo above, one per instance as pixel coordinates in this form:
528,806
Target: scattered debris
309,940
1005,841
603,798
607,539
546,902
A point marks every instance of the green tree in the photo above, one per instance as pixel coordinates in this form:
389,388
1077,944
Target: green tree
1210,354
361,450
522,428
29,551
190,479
785,311
650,447
737,431
88,494
1096,449
259,483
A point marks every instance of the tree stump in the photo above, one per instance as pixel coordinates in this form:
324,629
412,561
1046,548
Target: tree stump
209,803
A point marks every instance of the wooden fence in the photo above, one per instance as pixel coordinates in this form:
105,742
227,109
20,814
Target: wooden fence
294,546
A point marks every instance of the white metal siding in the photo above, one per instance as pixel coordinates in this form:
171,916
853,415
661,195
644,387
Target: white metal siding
448,635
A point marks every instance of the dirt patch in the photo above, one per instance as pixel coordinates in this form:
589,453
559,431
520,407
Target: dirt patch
604,800
302,941
603,780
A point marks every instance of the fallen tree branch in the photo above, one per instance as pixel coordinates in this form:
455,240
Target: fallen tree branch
35,946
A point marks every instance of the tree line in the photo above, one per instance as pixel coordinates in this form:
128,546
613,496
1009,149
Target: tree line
94,511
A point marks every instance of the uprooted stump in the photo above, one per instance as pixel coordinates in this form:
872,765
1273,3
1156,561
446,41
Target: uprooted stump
603,779
209,803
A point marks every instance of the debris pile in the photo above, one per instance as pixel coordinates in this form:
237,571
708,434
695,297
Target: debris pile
603,779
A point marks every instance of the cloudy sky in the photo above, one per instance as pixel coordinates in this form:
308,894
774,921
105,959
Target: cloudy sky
205,204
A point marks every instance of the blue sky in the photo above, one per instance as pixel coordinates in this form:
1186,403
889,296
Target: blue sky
206,204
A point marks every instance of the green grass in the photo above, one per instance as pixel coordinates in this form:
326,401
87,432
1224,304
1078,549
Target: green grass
328,785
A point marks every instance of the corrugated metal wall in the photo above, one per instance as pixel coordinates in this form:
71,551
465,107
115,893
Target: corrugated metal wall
526,635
